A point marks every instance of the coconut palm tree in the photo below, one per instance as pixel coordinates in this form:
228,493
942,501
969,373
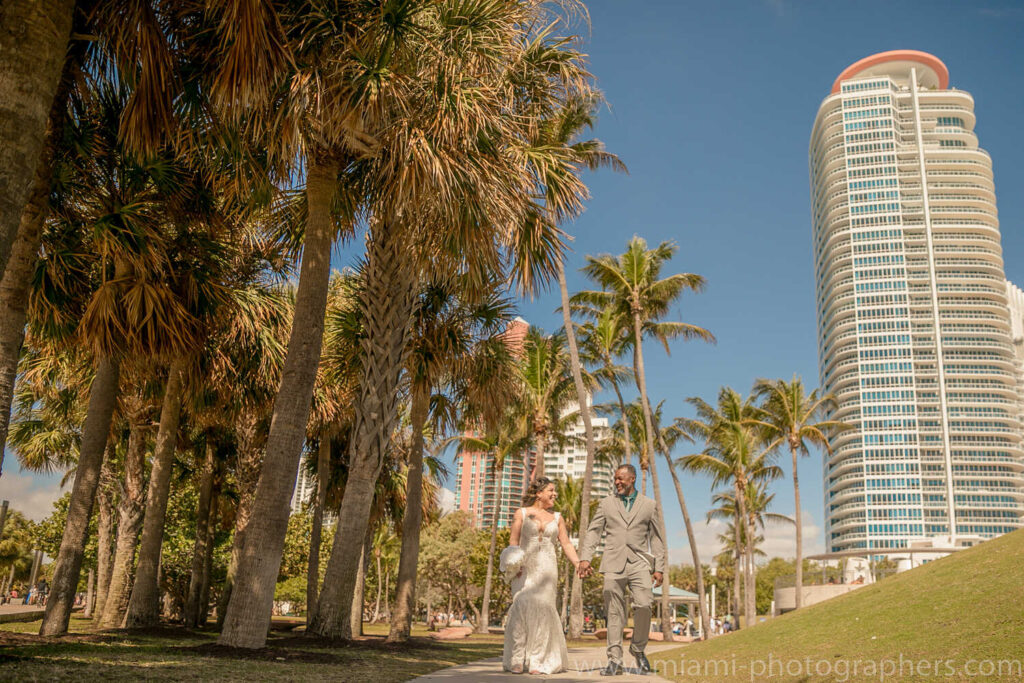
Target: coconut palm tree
795,419
632,286
604,340
508,439
733,454
545,390
557,157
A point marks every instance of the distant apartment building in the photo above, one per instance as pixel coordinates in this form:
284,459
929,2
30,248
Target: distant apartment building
915,334
305,489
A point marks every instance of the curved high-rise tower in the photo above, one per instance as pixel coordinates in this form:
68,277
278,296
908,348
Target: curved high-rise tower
914,333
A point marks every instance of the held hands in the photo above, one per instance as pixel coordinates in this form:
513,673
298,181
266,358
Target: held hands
658,577
583,569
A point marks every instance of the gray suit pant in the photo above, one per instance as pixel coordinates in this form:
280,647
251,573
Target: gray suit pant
637,576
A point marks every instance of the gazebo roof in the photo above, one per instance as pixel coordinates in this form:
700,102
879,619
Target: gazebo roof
677,595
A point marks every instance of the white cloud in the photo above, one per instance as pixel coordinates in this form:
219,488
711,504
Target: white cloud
446,500
31,496
780,540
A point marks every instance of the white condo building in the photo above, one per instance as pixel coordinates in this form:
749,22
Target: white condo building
914,329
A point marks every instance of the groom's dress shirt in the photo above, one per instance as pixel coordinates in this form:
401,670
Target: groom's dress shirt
628,500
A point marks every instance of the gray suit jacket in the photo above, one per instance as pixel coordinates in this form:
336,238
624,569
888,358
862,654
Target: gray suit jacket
637,527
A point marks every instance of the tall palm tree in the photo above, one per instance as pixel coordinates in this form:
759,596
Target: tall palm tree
456,340
28,85
795,419
506,440
440,190
633,287
545,390
129,519
603,341
757,500
733,454
557,157
128,214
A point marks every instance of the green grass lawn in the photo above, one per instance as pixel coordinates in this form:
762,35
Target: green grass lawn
958,618
178,654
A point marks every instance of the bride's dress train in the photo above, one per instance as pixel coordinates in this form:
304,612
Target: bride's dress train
534,640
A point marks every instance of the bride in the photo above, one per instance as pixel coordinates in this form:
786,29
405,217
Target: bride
534,640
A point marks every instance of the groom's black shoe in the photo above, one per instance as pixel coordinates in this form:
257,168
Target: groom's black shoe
613,669
642,663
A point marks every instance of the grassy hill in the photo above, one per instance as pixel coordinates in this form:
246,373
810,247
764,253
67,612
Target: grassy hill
958,618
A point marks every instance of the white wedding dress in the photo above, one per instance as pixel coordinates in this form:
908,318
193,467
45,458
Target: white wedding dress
534,640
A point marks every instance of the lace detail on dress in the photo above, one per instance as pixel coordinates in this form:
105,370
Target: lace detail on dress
534,640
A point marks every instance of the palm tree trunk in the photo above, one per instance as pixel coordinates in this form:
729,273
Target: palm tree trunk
248,612
570,586
129,521
104,533
195,585
388,302
96,429
741,511
211,531
355,617
405,590
33,46
15,284
90,593
736,577
380,583
799,534
247,473
627,441
751,587
485,612
705,618
323,463
641,381
583,397
540,446
144,604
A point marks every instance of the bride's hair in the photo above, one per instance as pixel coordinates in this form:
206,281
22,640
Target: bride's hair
538,485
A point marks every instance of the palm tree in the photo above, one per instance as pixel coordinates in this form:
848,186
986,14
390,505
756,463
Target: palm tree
757,500
16,280
545,390
456,340
120,208
129,519
506,440
556,159
631,286
27,90
569,505
440,191
733,454
791,417
603,341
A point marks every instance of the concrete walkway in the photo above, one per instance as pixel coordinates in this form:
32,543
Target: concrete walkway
585,664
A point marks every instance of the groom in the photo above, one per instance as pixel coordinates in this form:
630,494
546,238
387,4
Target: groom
630,524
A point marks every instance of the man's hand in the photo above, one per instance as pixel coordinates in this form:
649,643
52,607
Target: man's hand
657,576
583,569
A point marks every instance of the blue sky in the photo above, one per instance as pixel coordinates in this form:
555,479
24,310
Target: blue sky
711,106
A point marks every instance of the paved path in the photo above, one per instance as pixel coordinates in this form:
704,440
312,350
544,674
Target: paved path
585,663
